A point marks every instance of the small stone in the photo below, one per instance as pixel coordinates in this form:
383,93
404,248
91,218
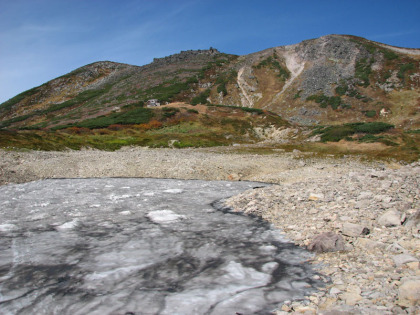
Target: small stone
396,248
351,298
365,195
315,197
409,293
335,291
286,308
351,229
403,259
305,310
390,218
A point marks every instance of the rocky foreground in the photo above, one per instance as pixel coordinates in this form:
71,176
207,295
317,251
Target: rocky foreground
361,218
365,226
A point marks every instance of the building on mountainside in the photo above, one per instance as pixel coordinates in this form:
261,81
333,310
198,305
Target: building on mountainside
152,103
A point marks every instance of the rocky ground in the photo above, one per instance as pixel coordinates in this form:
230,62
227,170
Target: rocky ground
367,221
365,212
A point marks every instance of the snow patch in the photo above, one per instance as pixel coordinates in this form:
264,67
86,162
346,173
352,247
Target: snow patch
68,225
8,227
164,216
174,191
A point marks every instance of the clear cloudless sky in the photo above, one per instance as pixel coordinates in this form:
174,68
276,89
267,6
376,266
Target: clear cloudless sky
43,39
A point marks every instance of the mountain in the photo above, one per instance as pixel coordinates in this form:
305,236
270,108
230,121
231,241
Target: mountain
329,80
332,80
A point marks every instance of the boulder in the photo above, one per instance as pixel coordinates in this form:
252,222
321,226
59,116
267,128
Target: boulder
351,229
413,220
403,259
390,218
409,293
327,242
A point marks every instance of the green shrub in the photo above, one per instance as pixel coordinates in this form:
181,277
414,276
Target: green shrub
169,111
9,104
324,101
222,88
341,90
363,70
389,54
136,116
372,127
252,110
336,133
297,95
166,91
272,63
403,69
201,98
370,113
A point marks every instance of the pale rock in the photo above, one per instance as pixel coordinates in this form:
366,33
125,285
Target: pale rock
396,248
351,298
413,220
413,265
409,293
383,198
361,204
315,197
345,218
370,244
351,229
336,312
365,195
286,308
306,310
335,291
403,259
390,218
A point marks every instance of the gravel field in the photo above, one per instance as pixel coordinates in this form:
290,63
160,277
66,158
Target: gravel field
207,164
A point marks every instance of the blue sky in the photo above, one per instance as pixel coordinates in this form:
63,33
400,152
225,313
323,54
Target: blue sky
43,39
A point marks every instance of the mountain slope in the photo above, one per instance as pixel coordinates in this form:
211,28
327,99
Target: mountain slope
330,80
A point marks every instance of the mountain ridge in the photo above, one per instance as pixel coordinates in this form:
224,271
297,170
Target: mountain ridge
331,80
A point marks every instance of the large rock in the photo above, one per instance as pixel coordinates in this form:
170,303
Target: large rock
403,259
351,229
390,218
409,293
413,220
327,242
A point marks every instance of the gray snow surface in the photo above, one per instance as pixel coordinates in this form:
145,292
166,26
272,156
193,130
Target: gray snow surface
141,246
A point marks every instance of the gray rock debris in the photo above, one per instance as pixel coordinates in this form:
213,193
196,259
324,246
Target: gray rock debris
377,273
